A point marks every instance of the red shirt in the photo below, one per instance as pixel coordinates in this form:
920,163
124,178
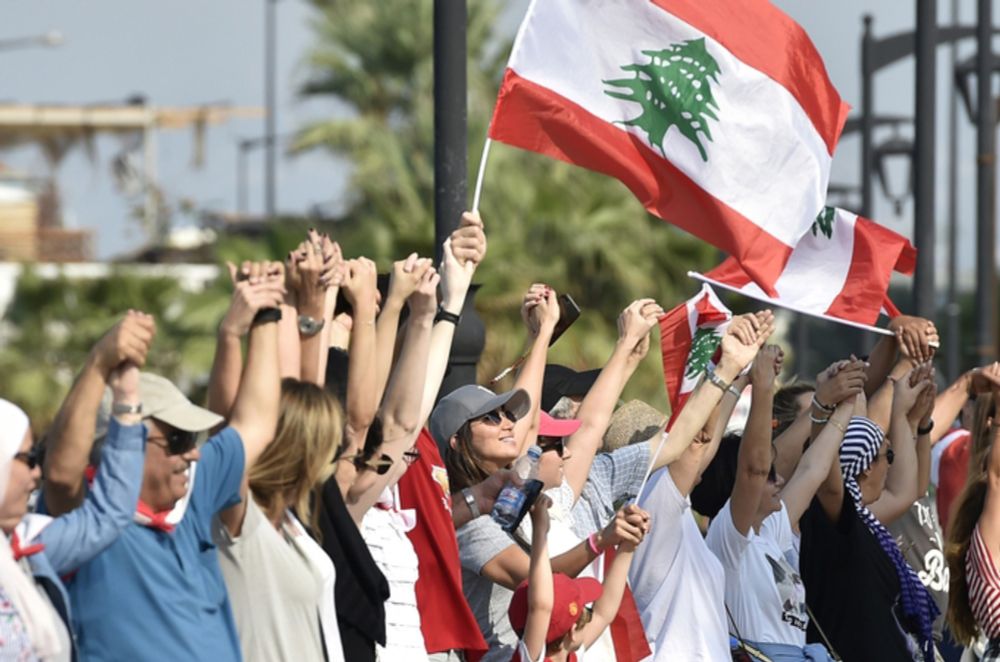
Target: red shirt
952,472
448,622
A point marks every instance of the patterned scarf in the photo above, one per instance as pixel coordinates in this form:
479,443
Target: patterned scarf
857,453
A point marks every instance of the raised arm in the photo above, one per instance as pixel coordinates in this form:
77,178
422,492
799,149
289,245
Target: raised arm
460,255
922,411
401,410
69,441
615,581
540,592
901,483
634,325
312,269
753,462
255,286
255,412
359,288
540,312
948,404
817,462
406,277
989,520
81,534
740,343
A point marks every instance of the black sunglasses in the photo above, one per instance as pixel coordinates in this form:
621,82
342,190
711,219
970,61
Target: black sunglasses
411,456
556,444
493,417
890,455
31,458
177,442
380,465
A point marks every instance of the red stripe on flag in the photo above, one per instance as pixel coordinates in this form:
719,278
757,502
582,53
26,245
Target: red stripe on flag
675,343
730,273
876,252
535,118
765,38
907,262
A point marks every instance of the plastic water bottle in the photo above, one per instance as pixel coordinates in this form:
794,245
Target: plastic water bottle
513,501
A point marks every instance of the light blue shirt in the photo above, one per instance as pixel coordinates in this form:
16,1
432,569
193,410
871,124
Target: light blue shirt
160,596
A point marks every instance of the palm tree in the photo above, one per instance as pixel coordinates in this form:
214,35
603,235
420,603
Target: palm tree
547,221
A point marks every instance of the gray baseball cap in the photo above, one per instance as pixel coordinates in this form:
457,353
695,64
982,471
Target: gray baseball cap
468,402
164,402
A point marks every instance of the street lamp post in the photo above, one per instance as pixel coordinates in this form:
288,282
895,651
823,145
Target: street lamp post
270,101
985,187
925,99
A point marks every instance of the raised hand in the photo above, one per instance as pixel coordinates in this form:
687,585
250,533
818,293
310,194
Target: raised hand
124,383
540,308
766,367
745,336
128,340
841,381
423,301
635,323
540,516
469,240
261,288
985,379
360,284
914,336
456,276
920,415
628,526
909,387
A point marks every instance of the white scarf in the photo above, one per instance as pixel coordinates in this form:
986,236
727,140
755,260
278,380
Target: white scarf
36,612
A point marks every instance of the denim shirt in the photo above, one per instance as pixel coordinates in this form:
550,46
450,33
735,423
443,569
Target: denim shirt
81,534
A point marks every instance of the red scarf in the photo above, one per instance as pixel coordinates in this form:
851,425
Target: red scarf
152,519
21,552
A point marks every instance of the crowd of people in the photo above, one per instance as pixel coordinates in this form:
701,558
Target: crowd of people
329,503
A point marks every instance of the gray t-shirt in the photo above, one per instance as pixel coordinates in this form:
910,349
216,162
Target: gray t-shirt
918,535
478,542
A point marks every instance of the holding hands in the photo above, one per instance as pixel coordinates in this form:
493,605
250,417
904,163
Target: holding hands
745,336
257,285
635,323
127,341
916,337
840,382
628,528
540,309
909,388
766,367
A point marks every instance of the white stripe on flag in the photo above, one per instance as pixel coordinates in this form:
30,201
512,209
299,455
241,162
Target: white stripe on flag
766,159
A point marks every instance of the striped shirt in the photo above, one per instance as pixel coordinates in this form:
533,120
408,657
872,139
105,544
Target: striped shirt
984,585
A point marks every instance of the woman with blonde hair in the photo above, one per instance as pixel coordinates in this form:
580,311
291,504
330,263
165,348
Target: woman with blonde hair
280,580
974,534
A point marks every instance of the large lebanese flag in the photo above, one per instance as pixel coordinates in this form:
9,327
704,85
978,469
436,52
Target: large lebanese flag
839,270
690,336
719,116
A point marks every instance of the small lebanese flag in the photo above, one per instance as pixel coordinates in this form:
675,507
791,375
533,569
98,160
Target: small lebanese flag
839,270
718,116
690,336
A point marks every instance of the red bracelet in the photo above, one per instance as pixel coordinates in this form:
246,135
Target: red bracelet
592,544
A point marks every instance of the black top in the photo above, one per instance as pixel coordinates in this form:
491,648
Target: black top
851,586
361,589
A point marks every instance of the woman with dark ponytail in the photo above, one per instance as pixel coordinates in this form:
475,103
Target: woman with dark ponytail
974,535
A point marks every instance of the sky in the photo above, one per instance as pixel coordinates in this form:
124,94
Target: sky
189,52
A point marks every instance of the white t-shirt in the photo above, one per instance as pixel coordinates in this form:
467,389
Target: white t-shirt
327,607
677,582
764,592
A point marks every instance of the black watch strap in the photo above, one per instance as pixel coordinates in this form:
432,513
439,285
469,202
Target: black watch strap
444,316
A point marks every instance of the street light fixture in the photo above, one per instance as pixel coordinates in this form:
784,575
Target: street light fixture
51,39
895,149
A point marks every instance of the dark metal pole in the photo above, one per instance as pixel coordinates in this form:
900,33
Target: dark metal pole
270,119
242,203
867,118
985,188
923,193
953,330
450,148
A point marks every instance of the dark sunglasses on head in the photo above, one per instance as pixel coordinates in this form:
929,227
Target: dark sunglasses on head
31,458
493,417
379,465
177,442
552,444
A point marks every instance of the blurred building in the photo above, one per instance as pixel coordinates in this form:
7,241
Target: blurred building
31,227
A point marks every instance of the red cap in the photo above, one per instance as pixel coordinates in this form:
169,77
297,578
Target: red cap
570,596
549,426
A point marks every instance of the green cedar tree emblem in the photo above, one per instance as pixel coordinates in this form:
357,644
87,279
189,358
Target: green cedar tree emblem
674,89
706,340
824,222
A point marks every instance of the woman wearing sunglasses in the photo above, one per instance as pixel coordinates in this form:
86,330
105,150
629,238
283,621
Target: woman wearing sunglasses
35,550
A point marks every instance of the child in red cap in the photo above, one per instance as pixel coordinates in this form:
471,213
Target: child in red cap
550,613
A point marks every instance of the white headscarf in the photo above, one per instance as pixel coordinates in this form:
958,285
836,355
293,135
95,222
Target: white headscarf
37,614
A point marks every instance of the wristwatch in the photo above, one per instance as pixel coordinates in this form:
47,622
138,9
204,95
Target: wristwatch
470,501
310,326
445,316
122,409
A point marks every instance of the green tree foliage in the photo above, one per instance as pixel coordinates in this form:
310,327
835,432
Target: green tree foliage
52,323
674,89
546,221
